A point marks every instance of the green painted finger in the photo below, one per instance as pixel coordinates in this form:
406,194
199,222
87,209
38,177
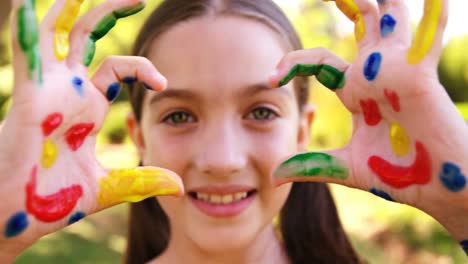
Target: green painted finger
104,26
327,75
28,37
312,164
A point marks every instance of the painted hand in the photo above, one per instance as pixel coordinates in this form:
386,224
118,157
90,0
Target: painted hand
49,173
409,142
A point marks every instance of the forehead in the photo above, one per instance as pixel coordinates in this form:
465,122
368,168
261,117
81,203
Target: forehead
224,52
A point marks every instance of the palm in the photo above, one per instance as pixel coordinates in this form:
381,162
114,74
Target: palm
48,167
408,140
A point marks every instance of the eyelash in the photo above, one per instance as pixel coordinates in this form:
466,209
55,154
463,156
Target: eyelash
185,116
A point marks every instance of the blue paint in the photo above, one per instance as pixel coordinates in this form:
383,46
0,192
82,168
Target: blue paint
147,86
76,217
16,224
452,178
381,194
381,2
387,25
77,83
464,245
113,91
372,66
129,80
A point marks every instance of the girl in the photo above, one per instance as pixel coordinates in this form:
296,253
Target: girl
215,120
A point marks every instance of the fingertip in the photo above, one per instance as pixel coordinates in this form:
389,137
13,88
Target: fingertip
273,78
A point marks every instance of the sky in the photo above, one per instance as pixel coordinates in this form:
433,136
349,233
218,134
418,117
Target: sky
457,24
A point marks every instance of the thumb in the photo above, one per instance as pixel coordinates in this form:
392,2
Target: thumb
329,166
134,185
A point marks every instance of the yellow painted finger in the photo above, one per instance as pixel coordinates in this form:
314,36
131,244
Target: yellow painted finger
426,32
399,140
352,11
63,25
49,154
134,185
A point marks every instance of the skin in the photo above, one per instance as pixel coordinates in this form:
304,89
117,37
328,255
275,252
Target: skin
222,142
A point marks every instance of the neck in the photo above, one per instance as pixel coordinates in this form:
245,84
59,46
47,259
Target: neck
265,248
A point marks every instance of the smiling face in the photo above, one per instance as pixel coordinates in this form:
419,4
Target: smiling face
221,128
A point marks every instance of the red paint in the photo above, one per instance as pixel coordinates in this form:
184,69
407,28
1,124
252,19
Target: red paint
52,207
51,122
398,176
371,111
393,99
76,135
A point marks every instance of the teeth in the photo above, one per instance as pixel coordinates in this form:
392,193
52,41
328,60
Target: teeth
221,199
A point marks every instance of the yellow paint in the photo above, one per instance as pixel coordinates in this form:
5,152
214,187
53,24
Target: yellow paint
352,11
134,185
63,25
399,140
49,154
426,32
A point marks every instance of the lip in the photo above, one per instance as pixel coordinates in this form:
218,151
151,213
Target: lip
223,210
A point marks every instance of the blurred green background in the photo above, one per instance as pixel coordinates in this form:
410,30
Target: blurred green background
382,232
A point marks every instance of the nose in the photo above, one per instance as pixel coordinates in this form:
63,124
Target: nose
221,152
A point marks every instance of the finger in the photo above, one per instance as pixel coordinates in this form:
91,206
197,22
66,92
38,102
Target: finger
428,38
394,21
319,62
25,32
96,24
365,17
134,185
56,27
118,70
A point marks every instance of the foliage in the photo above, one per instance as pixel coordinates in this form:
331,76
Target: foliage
453,69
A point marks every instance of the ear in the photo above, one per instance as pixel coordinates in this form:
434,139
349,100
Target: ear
134,130
305,123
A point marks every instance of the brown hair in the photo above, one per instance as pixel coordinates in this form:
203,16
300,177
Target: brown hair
309,223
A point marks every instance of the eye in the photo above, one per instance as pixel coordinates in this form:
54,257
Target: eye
262,114
178,118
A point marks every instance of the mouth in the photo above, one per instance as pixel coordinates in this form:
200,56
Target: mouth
222,199
222,205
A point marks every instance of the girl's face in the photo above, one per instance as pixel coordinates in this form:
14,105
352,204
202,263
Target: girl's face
221,128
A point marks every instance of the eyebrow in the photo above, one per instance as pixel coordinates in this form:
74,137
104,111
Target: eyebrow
254,89
249,91
173,93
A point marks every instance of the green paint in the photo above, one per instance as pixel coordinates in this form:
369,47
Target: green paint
327,75
312,164
104,26
28,37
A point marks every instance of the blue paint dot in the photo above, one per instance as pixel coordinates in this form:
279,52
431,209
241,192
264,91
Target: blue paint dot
381,1
16,224
76,217
113,91
452,178
147,86
372,66
129,80
77,83
464,245
387,25
381,194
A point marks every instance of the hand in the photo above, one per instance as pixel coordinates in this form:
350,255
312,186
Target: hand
409,142
49,173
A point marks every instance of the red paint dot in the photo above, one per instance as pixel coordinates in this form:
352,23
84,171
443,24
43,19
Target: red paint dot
399,176
50,123
76,135
393,99
371,111
52,207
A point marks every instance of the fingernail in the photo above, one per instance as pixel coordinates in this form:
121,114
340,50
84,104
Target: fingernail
129,80
312,164
113,91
